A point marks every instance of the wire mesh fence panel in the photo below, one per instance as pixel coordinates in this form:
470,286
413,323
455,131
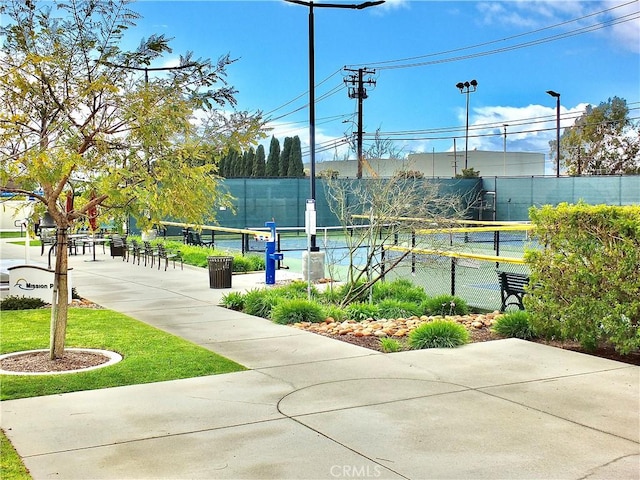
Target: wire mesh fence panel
475,281
463,261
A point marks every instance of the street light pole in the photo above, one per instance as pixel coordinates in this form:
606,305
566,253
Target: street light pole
557,97
312,106
504,154
467,88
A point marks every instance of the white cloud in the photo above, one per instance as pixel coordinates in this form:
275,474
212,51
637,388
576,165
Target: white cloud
530,15
529,128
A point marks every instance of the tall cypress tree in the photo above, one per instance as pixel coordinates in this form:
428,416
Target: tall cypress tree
296,168
234,163
285,158
247,162
259,164
273,160
222,165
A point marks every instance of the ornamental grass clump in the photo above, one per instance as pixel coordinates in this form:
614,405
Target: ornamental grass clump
445,305
514,325
391,308
297,310
233,301
335,312
438,334
361,311
297,289
390,345
401,289
259,303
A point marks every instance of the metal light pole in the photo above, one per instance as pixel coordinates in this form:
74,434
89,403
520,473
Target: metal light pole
467,88
312,93
557,97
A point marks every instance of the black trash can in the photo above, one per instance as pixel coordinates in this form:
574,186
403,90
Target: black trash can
220,272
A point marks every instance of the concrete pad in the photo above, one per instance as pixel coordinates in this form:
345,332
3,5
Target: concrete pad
358,392
216,330
49,424
612,407
618,469
279,449
372,366
471,435
315,407
299,347
502,362
173,304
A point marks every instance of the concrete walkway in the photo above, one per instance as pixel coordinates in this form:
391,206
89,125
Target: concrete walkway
316,408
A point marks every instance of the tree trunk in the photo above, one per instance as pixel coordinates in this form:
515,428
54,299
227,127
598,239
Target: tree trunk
60,302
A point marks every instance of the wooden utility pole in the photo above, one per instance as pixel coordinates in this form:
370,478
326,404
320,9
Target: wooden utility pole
357,90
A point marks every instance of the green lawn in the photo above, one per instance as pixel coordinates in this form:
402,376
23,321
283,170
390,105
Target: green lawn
11,235
11,466
149,354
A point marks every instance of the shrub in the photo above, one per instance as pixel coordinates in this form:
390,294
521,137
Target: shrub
21,303
391,308
233,301
331,295
297,289
445,305
361,311
197,256
400,289
335,312
191,254
514,325
260,302
353,292
390,345
586,277
248,263
438,334
297,310
256,262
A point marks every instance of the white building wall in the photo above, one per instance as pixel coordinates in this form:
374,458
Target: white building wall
445,164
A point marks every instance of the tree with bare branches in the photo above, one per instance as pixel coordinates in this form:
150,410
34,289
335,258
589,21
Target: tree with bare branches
375,213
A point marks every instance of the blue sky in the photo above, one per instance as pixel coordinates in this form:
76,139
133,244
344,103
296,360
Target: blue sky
516,50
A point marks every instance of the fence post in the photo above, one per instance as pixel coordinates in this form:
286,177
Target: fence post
453,276
413,255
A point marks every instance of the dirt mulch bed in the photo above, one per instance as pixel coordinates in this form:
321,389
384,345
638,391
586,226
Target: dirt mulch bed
485,334
39,362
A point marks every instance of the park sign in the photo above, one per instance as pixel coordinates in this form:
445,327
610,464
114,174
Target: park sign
33,281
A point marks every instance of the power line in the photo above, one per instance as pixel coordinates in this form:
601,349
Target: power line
383,65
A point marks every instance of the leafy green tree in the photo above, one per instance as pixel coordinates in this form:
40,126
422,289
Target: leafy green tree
603,141
259,164
285,157
78,116
273,160
469,173
295,169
